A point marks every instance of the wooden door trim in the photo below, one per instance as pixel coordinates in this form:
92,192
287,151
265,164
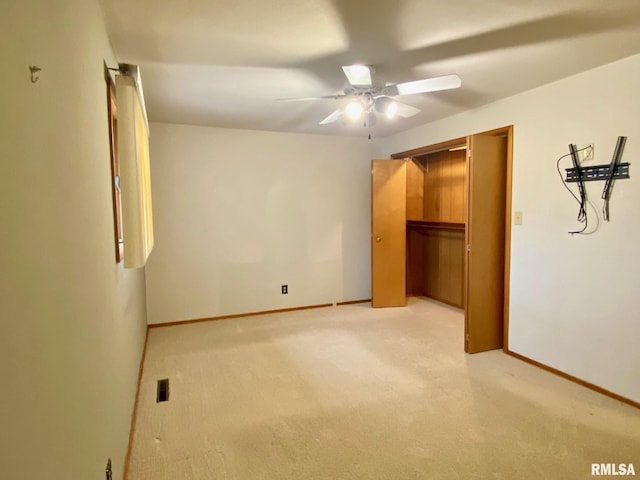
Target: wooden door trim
429,148
467,241
507,234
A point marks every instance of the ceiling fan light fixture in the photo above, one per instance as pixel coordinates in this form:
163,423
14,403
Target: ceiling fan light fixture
391,110
354,110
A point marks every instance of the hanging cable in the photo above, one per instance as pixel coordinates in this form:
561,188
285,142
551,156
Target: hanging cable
582,201
582,213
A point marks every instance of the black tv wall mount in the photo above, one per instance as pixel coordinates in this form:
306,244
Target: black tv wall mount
598,172
613,171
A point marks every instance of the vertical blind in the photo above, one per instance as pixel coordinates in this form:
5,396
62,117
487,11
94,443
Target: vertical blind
135,178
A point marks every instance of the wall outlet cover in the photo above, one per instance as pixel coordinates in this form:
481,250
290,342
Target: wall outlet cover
588,153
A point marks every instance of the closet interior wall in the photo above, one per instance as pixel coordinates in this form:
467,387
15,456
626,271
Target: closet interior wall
436,219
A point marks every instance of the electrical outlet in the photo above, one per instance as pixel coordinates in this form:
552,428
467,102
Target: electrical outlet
587,153
517,218
285,289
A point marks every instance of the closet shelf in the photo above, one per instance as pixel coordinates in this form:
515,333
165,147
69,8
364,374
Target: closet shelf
419,224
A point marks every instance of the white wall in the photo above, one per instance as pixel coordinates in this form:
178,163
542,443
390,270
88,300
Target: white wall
573,298
239,213
72,321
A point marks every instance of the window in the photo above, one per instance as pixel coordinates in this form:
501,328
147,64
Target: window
115,166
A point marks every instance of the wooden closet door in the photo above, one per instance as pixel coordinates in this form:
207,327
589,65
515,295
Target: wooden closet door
485,238
388,233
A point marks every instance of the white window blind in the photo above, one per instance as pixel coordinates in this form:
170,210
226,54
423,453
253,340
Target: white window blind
135,178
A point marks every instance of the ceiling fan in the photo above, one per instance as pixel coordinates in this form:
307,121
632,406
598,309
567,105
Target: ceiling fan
364,95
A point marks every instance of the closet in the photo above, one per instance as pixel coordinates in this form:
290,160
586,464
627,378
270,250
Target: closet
440,230
436,201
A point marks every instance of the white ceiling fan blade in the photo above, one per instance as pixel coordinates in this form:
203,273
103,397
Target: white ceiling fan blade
406,111
305,99
359,75
332,118
435,84
391,108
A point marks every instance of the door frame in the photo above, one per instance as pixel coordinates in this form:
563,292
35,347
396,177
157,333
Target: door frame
502,131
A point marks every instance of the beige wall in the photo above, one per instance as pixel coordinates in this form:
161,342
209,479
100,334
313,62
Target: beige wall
239,213
73,322
573,298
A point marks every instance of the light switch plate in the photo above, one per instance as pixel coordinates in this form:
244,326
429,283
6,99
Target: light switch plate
517,218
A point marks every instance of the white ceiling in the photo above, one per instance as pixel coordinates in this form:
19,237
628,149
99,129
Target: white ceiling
224,62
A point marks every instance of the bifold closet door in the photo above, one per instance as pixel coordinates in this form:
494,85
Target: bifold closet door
388,233
485,238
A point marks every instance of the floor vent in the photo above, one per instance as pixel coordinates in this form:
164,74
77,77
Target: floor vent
162,394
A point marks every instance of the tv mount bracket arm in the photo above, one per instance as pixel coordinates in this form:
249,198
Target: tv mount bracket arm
609,172
608,186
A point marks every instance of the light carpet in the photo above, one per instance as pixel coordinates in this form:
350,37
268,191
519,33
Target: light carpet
352,392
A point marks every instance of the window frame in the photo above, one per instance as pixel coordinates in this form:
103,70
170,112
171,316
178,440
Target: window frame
112,111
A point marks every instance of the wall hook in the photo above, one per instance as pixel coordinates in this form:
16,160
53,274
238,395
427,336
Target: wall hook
33,69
